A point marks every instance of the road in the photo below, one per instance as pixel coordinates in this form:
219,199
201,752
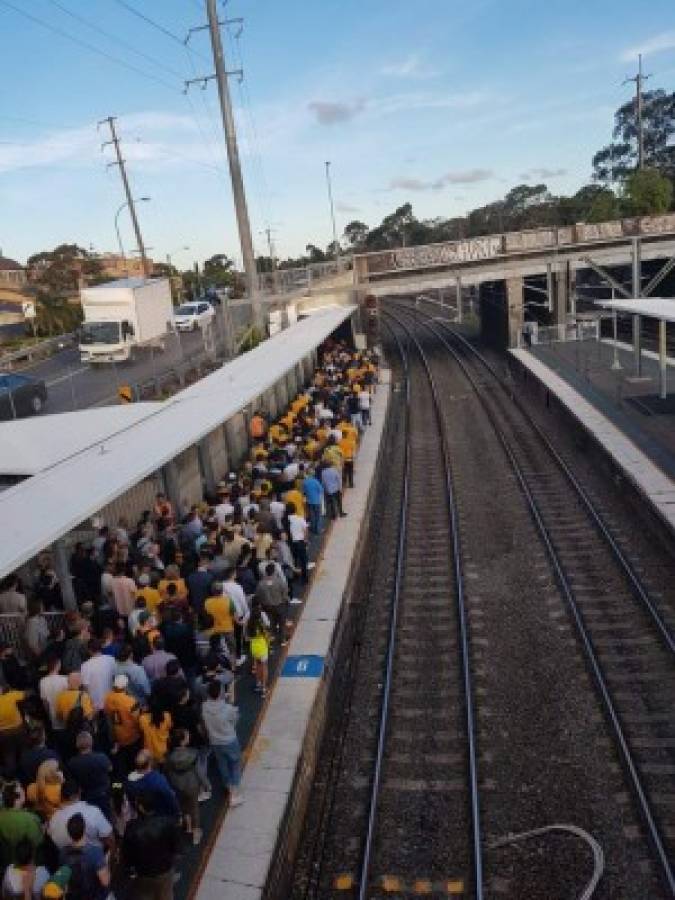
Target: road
72,385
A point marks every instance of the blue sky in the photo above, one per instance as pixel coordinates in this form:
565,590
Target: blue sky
442,103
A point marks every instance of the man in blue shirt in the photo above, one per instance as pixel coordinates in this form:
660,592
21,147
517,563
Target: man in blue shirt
313,492
331,478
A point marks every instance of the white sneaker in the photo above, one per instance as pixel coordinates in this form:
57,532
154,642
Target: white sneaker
241,660
295,600
203,796
196,836
311,566
236,800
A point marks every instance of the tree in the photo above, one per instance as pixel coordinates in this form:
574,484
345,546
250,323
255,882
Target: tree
647,193
315,254
355,234
333,249
59,271
218,270
618,159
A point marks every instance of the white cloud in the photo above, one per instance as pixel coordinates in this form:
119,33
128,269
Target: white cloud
543,172
657,44
410,67
330,113
347,208
469,176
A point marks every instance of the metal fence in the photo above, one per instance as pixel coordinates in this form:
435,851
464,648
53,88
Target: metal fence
533,334
286,281
13,358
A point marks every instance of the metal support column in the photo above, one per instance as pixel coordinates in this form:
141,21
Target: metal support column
663,364
459,299
637,343
62,570
636,257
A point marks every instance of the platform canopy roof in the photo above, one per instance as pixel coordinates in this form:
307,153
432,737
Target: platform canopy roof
29,446
47,506
662,308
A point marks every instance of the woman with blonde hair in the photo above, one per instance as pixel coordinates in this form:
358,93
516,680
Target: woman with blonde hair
44,795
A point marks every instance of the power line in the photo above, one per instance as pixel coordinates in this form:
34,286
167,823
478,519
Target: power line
113,37
165,31
91,47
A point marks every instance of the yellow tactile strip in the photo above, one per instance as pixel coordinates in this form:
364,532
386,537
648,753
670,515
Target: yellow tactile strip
394,885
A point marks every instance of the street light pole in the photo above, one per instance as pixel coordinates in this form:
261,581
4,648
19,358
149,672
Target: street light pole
332,212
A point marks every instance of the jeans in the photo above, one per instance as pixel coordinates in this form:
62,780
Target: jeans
334,504
202,768
314,517
299,551
357,421
228,760
365,416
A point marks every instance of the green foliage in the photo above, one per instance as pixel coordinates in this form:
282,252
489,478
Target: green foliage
617,160
647,193
55,315
60,271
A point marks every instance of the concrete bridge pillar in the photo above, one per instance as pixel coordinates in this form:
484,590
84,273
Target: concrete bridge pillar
560,299
514,305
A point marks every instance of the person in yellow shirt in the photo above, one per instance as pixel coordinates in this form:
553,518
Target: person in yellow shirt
172,576
347,447
277,433
44,795
11,728
311,447
74,696
332,454
155,727
123,712
295,497
148,591
349,430
222,611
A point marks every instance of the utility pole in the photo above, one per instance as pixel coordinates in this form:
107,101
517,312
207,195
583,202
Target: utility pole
243,222
639,80
127,190
332,212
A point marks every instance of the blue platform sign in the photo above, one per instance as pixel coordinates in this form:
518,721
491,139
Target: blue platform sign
308,666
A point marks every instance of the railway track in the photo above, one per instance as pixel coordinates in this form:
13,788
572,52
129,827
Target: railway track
625,633
406,822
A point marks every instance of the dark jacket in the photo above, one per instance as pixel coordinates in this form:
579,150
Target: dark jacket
181,770
150,845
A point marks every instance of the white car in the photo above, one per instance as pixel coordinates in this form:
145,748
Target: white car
191,316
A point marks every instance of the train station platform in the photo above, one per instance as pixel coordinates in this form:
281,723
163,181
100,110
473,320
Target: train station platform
620,411
280,756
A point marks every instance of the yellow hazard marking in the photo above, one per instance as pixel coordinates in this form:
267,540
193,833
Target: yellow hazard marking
455,887
125,393
344,882
391,883
422,886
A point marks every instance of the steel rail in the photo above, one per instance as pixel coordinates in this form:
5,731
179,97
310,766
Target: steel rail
568,593
364,875
629,571
469,712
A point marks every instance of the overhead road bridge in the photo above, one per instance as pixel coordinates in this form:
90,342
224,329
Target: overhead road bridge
558,254
180,446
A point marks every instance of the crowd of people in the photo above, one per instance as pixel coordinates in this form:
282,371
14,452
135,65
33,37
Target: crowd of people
115,717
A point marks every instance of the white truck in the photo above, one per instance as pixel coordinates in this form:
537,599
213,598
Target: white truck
122,315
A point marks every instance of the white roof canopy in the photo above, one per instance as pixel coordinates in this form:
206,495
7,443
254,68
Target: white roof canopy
28,446
43,508
662,308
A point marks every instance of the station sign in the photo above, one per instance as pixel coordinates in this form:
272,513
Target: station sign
306,666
